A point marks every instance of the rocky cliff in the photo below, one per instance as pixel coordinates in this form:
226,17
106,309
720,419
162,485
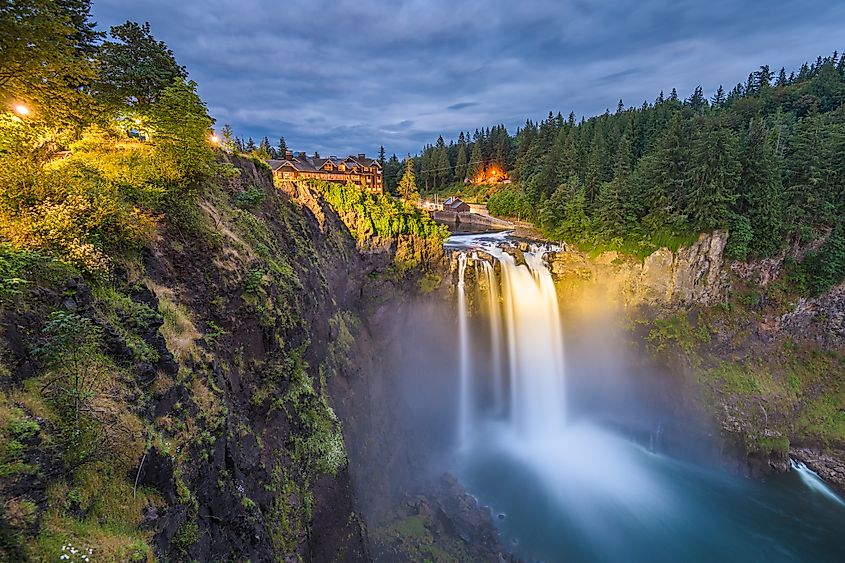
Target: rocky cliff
234,395
765,363
693,275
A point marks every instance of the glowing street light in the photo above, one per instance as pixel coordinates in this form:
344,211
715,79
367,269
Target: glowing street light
21,110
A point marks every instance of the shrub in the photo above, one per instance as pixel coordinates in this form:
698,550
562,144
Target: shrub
511,202
367,215
250,198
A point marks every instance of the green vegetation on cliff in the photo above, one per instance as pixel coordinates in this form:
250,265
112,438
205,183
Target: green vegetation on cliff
368,215
157,304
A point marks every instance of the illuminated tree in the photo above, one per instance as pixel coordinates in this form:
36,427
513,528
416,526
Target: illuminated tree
408,184
40,62
135,67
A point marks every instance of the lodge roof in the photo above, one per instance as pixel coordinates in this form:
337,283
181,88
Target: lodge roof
314,164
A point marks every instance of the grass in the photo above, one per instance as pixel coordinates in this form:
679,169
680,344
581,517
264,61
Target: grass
412,537
179,332
677,330
636,246
125,317
112,516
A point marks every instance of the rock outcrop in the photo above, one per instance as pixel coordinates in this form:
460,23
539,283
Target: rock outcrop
673,280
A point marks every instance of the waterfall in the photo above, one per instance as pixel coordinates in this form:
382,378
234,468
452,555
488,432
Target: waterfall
532,327
813,482
495,315
465,385
537,402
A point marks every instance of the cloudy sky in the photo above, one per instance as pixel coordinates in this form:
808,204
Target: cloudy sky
347,76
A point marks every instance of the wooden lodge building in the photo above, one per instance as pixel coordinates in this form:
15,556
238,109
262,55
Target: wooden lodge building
360,170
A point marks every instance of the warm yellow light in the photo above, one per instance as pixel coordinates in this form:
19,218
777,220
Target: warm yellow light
21,109
215,139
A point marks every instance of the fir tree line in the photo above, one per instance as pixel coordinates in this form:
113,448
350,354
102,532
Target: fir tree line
765,161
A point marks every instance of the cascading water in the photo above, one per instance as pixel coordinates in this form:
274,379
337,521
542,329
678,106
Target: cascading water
465,398
812,480
495,315
570,488
537,401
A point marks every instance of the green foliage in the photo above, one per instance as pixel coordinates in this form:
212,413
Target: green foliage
822,269
185,537
742,235
19,269
180,128
44,63
676,329
407,187
734,378
319,445
16,429
75,370
367,215
253,281
102,198
511,202
429,282
127,319
134,67
250,198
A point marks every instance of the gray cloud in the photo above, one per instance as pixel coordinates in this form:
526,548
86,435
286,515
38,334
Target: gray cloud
461,105
349,75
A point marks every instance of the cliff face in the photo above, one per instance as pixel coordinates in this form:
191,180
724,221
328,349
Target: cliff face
240,401
693,275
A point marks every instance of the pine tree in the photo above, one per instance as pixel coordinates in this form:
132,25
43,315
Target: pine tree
718,99
250,145
381,156
228,140
425,169
662,177
763,78
461,163
444,167
283,147
696,101
761,195
407,187
714,176
611,213
264,151
564,214
595,168
476,161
